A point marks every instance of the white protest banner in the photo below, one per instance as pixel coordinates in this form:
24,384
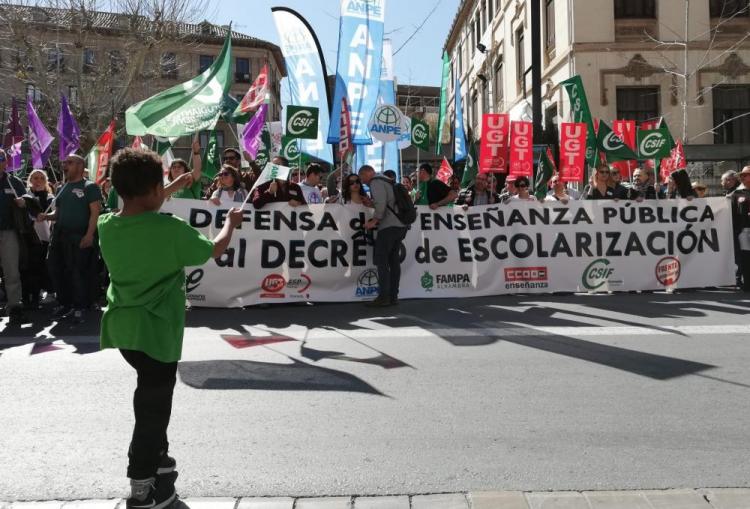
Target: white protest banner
319,252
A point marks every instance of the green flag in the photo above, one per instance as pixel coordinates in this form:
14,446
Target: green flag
210,160
472,165
579,109
184,109
654,143
302,122
612,144
443,102
289,148
420,134
543,174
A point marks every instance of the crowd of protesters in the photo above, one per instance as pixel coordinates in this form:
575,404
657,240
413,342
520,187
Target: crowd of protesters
48,239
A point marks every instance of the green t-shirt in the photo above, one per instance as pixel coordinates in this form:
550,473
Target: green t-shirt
193,191
72,205
422,190
146,255
113,200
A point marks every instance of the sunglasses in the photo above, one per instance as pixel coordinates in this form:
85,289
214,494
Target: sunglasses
354,182
522,185
230,158
225,174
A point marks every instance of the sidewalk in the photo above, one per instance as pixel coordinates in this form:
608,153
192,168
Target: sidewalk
718,498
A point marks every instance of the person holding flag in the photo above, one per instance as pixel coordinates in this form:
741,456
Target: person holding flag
479,193
11,191
432,191
179,167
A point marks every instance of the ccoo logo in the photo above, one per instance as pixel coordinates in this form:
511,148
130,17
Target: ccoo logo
651,144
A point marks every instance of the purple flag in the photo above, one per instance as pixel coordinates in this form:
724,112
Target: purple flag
40,140
67,130
253,129
13,139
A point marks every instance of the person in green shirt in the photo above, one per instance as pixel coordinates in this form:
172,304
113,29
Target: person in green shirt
146,253
180,167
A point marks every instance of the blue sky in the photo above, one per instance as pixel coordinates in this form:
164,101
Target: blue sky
418,63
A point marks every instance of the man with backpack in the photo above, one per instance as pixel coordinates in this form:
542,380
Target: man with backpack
393,212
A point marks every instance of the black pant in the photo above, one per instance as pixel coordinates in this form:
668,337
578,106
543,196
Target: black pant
744,267
387,246
152,404
34,275
70,270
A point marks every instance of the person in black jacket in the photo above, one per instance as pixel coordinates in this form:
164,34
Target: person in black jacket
34,275
478,193
741,227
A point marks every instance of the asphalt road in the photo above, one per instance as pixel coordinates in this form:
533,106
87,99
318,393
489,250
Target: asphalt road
537,393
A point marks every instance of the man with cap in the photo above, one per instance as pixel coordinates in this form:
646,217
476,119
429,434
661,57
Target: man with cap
741,228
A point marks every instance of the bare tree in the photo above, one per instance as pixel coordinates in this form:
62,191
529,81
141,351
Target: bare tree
684,74
103,55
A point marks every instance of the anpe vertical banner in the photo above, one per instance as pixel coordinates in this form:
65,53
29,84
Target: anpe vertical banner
387,95
358,67
306,75
443,114
521,149
459,134
493,150
572,151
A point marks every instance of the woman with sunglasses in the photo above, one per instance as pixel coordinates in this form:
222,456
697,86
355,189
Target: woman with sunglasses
230,191
353,192
599,188
522,187
34,276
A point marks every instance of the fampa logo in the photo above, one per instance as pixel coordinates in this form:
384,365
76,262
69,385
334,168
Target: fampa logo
300,122
427,281
596,274
651,144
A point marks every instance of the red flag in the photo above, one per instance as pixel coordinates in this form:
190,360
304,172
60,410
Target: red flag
345,134
572,151
256,95
551,158
675,161
445,172
521,149
493,150
103,151
138,143
625,129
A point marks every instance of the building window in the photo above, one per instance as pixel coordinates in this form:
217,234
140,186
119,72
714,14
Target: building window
204,62
474,111
638,103
88,60
635,9
460,60
729,8
242,70
33,93
549,27
485,97
483,13
498,83
116,61
55,60
73,95
551,134
168,65
490,12
730,102
520,62
478,28
205,135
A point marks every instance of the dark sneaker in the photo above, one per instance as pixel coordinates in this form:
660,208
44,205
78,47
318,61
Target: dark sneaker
394,301
379,302
17,316
152,494
61,312
167,465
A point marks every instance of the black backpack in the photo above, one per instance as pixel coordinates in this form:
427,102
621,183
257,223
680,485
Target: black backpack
405,211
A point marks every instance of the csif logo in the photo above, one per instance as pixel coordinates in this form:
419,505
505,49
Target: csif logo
596,274
291,150
300,122
651,144
419,133
613,141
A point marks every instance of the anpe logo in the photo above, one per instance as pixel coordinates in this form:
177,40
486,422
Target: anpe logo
526,277
367,284
386,123
668,270
651,144
597,274
273,285
300,122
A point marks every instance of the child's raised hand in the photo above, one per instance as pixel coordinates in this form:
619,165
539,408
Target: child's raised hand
234,216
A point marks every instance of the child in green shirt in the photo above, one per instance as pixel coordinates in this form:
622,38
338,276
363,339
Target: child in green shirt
146,254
